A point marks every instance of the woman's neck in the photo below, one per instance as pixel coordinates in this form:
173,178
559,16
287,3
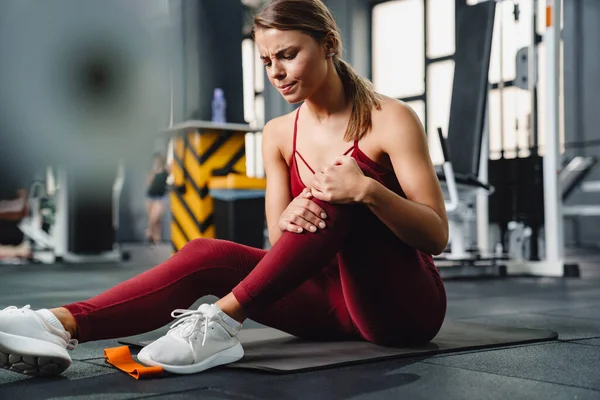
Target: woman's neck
330,99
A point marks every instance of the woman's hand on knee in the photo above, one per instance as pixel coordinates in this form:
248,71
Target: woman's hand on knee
302,214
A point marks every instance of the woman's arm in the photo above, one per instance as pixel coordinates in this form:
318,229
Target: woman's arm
420,220
278,195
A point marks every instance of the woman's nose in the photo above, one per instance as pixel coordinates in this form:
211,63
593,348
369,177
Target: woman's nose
277,71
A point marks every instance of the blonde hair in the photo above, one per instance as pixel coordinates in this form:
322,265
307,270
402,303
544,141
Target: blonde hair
313,18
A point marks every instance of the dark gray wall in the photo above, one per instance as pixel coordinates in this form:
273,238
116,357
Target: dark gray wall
213,56
582,100
204,39
166,20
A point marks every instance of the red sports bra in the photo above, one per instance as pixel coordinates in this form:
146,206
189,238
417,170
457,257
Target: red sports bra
387,176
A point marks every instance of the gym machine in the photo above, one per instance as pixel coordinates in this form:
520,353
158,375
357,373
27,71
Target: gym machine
463,174
466,165
534,238
66,223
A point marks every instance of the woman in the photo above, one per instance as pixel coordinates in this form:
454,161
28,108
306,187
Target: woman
155,198
354,211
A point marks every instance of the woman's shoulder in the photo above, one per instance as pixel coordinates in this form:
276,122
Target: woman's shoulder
281,123
394,116
280,129
393,110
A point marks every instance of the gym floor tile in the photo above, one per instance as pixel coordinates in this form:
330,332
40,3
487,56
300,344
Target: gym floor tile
112,384
592,312
15,386
589,342
567,328
489,306
392,380
563,363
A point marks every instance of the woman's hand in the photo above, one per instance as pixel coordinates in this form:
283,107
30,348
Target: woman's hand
342,182
302,214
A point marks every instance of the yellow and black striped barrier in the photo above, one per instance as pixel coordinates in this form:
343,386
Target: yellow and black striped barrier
202,151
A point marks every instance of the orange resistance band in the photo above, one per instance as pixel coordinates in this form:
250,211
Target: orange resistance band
120,357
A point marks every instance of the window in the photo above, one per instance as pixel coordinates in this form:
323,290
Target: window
418,106
509,122
510,35
440,77
512,130
254,84
398,48
404,69
440,28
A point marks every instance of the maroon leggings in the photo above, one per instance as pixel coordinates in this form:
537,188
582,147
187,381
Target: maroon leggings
352,280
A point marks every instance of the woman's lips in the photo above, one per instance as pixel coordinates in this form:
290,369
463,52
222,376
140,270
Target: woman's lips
287,88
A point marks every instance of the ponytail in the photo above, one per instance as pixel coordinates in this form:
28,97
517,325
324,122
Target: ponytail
361,93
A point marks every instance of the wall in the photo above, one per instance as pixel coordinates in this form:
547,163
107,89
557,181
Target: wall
581,99
205,52
164,18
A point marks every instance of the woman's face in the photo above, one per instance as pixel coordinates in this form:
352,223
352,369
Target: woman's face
295,63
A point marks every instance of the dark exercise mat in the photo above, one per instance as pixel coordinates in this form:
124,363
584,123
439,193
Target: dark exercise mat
275,351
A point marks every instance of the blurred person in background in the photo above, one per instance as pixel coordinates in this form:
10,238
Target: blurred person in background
155,197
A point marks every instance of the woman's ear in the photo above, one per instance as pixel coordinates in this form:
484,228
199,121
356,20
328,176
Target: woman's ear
331,45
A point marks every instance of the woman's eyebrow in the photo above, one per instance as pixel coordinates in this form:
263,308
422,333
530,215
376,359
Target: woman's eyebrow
279,53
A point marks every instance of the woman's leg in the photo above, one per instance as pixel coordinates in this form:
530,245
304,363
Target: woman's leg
145,302
393,292
207,267
316,310
159,210
378,272
149,207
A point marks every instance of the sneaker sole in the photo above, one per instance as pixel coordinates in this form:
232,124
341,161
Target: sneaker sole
32,357
228,356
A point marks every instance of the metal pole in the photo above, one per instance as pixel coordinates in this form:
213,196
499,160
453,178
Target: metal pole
532,81
482,199
553,218
500,6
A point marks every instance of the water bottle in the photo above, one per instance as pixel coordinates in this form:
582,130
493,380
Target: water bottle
218,106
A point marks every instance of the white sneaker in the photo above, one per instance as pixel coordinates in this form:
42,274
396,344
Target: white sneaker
33,342
201,339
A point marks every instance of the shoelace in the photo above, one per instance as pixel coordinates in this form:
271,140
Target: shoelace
27,307
188,319
71,343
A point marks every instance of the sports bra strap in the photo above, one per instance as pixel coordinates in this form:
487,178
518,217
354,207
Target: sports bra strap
295,152
304,161
295,130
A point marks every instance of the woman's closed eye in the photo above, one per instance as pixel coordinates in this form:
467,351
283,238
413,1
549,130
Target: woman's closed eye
267,63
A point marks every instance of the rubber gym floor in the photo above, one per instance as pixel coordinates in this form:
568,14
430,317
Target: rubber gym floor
568,368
